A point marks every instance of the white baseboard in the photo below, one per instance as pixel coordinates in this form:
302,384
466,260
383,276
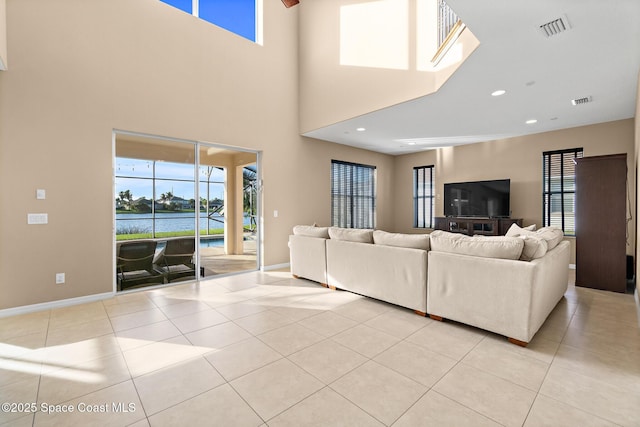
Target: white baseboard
54,304
275,267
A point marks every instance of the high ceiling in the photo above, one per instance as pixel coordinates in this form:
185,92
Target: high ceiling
598,57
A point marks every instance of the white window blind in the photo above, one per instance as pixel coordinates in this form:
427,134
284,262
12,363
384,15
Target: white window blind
423,200
353,195
559,189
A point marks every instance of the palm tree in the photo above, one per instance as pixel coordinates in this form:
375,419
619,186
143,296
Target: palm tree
126,198
166,197
250,197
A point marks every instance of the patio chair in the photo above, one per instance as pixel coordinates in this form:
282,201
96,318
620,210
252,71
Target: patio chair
175,260
134,264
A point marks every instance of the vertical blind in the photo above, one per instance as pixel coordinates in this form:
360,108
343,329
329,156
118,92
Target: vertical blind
423,200
353,195
559,189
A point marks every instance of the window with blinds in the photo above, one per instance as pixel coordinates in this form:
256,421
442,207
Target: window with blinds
559,189
423,200
353,195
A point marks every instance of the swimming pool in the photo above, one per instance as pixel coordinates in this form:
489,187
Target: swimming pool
209,242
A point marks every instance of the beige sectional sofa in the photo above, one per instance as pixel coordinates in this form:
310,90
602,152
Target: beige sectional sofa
504,284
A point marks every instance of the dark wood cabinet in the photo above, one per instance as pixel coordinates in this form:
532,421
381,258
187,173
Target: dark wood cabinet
471,226
601,223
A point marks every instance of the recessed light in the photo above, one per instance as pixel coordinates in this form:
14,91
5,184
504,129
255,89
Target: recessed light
361,129
498,92
411,143
531,121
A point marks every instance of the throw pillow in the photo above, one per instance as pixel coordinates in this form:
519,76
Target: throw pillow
415,241
534,247
516,230
552,235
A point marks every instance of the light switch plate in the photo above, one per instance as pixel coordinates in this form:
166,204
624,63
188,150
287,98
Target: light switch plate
37,218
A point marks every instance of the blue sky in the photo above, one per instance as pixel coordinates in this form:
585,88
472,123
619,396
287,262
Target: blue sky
237,16
135,175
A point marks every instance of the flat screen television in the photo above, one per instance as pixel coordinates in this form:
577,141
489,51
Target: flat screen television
488,199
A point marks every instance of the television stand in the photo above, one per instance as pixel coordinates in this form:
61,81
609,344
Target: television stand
471,226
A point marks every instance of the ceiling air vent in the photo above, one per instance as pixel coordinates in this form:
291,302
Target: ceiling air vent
555,27
580,101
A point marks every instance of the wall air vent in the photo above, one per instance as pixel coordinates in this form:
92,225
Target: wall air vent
555,27
580,101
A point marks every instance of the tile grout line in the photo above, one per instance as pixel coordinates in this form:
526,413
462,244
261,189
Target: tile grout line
549,368
451,369
33,422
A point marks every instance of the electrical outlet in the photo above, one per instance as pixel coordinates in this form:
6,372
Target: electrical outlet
59,278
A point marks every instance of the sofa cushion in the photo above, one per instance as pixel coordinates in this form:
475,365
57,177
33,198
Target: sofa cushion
552,235
311,231
351,234
415,241
481,246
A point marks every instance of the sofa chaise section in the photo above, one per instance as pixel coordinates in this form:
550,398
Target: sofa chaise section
510,297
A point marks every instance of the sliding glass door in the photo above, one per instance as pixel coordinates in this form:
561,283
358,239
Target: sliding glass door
165,190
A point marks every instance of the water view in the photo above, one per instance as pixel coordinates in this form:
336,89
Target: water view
166,222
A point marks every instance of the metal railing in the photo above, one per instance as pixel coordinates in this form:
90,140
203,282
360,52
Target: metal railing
447,19
449,28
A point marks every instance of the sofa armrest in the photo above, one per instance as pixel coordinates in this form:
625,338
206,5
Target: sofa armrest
308,257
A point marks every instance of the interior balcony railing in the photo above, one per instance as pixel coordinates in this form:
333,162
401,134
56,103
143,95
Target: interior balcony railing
449,29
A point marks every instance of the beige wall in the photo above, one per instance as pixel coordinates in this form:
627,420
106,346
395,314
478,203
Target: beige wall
338,82
519,159
635,178
81,69
3,34
313,185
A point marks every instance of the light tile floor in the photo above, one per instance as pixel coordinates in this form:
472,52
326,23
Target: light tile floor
266,349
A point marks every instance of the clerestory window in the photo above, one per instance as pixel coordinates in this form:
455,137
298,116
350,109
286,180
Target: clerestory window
242,17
